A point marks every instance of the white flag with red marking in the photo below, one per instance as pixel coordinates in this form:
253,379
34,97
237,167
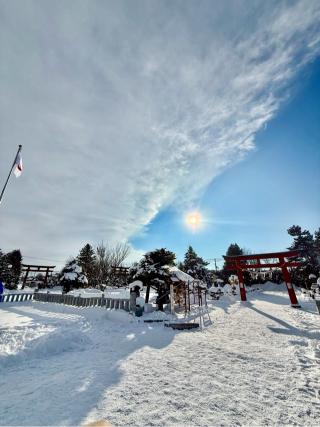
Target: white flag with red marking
18,165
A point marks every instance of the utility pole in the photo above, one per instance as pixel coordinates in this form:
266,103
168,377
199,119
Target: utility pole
215,260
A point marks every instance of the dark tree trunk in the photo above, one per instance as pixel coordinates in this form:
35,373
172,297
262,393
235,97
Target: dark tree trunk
148,293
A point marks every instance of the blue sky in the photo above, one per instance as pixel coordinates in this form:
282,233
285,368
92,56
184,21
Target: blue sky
255,201
131,113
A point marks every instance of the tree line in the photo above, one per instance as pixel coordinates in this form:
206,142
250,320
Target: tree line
98,265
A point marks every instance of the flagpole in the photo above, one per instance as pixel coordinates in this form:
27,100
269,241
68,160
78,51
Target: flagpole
13,164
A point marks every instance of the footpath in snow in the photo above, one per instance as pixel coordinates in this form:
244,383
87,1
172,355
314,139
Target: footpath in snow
255,363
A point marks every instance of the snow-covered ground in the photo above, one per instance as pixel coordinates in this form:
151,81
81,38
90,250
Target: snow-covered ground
255,363
26,290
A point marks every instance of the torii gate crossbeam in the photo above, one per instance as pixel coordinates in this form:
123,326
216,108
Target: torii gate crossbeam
281,260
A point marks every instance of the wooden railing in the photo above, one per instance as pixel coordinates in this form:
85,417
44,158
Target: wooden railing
16,297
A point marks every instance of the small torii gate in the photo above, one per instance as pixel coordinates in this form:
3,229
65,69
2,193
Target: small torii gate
281,260
27,268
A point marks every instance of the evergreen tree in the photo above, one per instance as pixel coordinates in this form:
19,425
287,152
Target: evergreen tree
72,276
317,241
153,271
5,273
233,250
303,240
159,258
14,258
195,265
180,265
309,246
86,260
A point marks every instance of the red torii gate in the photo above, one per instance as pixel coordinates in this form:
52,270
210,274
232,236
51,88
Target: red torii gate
247,262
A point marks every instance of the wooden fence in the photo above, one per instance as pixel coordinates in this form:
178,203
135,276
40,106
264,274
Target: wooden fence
77,301
15,297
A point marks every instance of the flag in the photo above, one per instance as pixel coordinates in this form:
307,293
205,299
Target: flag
18,165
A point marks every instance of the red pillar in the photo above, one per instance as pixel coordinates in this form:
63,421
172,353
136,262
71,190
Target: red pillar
291,292
241,285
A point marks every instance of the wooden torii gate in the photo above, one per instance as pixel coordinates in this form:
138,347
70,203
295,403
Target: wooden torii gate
281,260
27,268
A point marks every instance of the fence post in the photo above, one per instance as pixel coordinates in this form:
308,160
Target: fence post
133,304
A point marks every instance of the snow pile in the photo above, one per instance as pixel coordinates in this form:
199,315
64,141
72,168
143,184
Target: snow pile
26,290
121,293
86,293
220,290
46,343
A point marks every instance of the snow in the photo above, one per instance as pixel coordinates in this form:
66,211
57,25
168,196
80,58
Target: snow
254,363
136,283
180,275
26,290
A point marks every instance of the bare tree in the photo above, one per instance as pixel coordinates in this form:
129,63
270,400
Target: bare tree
103,263
108,258
119,253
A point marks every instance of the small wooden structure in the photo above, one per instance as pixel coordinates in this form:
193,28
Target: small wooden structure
190,293
27,268
282,260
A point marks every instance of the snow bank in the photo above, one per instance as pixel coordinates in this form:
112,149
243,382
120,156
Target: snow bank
26,290
45,343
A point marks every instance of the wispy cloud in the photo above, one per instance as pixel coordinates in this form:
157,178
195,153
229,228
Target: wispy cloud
126,107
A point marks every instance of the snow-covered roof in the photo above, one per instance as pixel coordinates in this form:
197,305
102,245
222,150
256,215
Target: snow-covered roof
178,275
136,283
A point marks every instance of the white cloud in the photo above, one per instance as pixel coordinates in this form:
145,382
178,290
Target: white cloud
126,107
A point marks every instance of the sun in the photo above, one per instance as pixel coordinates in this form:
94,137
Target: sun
193,220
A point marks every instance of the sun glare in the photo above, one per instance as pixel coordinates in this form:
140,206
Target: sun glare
193,220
